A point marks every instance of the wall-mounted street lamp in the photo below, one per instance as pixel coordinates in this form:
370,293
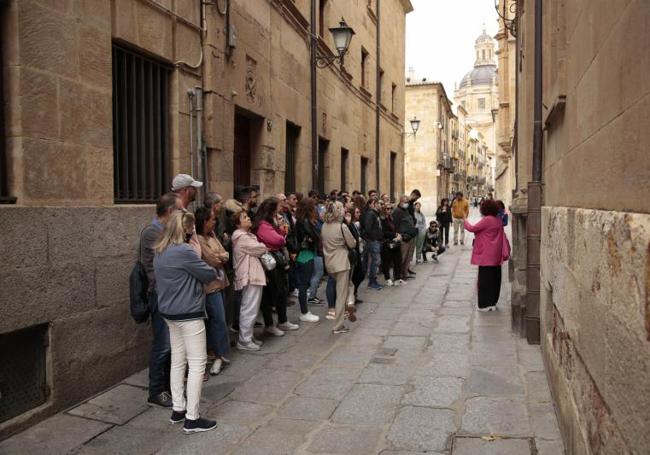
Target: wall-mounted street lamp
342,36
415,126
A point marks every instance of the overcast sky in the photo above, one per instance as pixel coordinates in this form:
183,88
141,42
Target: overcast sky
440,37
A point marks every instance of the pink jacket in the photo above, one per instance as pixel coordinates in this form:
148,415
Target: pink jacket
491,246
269,236
246,253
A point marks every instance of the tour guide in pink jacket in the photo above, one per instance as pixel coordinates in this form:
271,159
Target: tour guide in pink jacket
490,250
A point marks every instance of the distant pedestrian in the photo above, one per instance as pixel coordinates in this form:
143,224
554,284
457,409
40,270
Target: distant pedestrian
180,277
421,225
372,234
390,252
459,212
405,225
308,240
443,217
503,214
491,248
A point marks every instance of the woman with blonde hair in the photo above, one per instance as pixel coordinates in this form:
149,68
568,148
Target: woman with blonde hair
180,276
337,242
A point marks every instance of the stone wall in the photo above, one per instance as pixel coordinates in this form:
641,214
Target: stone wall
68,267
596,326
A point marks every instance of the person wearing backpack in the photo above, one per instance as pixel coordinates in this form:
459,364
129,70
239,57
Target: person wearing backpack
160,356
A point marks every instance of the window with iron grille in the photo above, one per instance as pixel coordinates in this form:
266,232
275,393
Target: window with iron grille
23,383
393,164
5,197
344,168
140,127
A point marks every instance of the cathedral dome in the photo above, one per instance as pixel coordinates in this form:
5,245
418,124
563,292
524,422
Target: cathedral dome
480,75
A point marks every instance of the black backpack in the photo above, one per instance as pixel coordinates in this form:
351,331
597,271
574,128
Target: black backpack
138,287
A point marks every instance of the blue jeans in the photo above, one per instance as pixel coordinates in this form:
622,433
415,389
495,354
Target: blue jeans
216,328
317,275
374,256
304,274
330,291
160,357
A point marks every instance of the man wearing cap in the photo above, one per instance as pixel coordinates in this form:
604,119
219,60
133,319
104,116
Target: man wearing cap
185,186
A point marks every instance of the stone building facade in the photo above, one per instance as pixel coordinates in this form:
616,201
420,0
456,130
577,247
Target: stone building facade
504,173
478,94
428,164
594,282
104,101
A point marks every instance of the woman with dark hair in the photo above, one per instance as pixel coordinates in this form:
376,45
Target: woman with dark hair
390,251
490,250
267,230
308,240
213,253
443,217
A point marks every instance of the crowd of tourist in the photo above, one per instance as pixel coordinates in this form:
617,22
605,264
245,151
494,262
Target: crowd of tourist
211,272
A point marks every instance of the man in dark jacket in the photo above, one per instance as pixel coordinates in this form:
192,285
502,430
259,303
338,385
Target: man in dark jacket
405,225
373,235
160,357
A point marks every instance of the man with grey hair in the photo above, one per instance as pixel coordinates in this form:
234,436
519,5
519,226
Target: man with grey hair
405,226
159,359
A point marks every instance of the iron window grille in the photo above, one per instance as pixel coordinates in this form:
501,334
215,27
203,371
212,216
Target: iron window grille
5,196
140,127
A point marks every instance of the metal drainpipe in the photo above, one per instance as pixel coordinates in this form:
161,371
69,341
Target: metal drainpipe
534,219
190,97
200,144
377,108
314,113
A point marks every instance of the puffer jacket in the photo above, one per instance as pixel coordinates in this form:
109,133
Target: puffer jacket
247,251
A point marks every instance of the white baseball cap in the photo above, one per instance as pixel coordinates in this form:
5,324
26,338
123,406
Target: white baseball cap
184,180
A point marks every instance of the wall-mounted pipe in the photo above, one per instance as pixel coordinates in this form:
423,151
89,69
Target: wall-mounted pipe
377,108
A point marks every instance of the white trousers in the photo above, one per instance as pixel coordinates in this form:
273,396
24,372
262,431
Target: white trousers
459,224
251,297
187,340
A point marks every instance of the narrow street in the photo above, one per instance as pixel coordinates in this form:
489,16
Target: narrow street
420,371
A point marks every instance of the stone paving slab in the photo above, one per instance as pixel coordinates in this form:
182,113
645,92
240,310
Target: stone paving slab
118,405
58,434
422,371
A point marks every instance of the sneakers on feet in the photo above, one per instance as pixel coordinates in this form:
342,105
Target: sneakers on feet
258,342
484,310
309,317
198,425
492,308
177,417
342,329
216,368
390,283
248,346
331,315
287,326
273,330
314,300
295,293
163,399
375,286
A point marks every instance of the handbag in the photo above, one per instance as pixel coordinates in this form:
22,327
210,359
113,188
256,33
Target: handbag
268,262
353,255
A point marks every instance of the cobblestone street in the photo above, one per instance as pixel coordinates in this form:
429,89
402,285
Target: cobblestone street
420,371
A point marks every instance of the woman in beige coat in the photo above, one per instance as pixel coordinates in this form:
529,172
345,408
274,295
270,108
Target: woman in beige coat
337,239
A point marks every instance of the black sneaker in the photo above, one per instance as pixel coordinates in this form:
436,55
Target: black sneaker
177,417
163,399
198,425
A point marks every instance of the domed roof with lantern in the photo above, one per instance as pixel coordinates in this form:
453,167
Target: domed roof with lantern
485,68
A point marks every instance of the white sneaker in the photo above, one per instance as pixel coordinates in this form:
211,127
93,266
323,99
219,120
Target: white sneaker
484,310
287,326
248,346
217,365
400,282
492,308
389,283
295,293
308,317
273,330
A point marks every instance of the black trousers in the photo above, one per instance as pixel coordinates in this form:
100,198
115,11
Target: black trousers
489,285
275,295
445,233
391,258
